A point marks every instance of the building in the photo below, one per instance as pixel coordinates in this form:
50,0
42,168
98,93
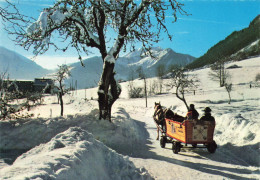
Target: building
24,86
42,84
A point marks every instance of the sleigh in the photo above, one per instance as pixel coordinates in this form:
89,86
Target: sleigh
198,134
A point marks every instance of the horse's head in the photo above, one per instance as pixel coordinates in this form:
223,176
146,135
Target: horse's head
157,106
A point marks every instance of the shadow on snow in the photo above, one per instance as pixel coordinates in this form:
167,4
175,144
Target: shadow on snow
144,151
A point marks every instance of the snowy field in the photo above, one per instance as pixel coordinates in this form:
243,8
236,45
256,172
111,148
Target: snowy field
79,146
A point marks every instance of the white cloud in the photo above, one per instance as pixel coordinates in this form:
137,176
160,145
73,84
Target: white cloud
203,20
198,20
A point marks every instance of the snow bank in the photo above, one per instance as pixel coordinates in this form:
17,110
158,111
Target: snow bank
237,129
237,124
73,154
239,133
236,133
123,135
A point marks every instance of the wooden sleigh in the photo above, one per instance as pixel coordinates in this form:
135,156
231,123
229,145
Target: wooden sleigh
193,132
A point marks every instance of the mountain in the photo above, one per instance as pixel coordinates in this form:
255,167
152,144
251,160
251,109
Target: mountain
19,67
237,46
126,66
163,57
85,76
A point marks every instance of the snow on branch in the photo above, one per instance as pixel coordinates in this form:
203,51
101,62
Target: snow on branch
134,22
10,14
86,24
109,58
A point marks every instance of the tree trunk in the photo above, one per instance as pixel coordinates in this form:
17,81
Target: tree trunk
61,100
145,92
182,98
229,98
220,76
184,101
61,104
108,91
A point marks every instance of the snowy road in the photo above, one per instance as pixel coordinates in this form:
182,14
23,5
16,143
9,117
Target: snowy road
162,163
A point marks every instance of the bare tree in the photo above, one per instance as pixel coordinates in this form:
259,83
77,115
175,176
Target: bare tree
257,80
153,87
60,76
160,71
86,24
257,77
142,75
228,87
183,83
10,14
9,109
133,91
173,67
219,73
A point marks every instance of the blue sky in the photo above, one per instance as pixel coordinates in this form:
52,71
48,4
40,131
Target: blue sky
210,22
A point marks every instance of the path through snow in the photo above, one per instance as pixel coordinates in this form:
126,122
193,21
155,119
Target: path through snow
189,163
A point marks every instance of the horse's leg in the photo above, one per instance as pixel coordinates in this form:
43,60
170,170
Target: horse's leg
157,138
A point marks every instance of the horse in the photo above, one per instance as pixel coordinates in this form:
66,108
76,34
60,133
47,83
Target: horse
159,117
160,113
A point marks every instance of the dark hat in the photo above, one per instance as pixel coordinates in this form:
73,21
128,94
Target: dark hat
207,109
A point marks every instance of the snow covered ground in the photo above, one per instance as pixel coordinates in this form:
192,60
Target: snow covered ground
79,146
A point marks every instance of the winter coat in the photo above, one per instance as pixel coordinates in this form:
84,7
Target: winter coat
207,117
192,114
195,114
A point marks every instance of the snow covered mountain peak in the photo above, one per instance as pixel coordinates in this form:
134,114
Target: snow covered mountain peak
139,52
134,54
126,65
